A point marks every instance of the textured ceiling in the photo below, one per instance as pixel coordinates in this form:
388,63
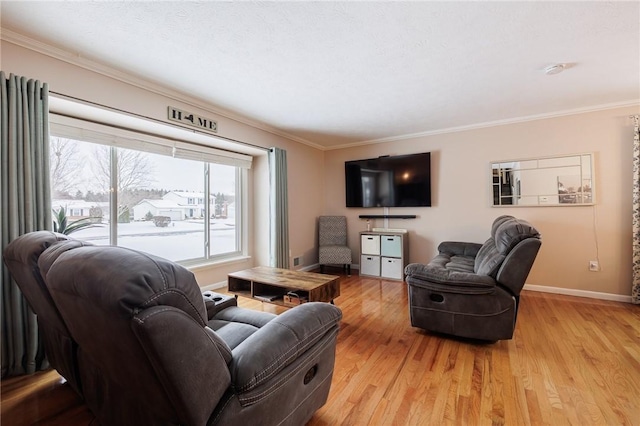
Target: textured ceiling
338,73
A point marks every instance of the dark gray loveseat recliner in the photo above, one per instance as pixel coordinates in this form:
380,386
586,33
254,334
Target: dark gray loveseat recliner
472,290
148,348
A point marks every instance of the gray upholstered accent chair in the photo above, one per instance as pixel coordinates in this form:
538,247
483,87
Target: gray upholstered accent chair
332,242
472,290
21,257
150,351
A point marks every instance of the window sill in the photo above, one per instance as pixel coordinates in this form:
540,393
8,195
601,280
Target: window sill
196,266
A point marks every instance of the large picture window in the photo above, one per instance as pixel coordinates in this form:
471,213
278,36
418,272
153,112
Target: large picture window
180,207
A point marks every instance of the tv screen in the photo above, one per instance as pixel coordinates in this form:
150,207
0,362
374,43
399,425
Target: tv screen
398,181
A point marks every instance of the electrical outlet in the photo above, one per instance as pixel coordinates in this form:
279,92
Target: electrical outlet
594,266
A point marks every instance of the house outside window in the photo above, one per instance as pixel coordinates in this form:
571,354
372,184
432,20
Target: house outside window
146,200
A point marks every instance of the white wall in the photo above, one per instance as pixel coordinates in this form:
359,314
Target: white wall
461,191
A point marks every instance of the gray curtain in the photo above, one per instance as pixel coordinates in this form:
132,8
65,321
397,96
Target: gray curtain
26,207
635,285
278,209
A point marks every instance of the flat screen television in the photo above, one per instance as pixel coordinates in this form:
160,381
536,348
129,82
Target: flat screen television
389,181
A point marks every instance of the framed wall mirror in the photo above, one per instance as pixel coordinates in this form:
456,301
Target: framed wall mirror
565,180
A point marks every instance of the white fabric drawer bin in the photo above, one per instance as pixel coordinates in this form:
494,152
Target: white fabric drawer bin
370,244
392,268
370,265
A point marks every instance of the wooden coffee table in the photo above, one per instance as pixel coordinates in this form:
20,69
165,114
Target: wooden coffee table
271,284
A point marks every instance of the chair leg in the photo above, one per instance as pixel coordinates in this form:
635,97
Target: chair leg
348,269
322,269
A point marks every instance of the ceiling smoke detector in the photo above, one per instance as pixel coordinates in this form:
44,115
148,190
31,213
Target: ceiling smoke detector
554,69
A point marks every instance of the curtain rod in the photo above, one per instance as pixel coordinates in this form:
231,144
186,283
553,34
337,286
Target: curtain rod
150,119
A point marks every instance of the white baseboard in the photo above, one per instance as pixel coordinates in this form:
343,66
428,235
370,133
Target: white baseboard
578,293
309,267
214,286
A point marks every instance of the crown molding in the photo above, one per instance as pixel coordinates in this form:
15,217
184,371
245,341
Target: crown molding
594,108
78,60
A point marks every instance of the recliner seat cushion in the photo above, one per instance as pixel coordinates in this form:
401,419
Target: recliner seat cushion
232,333
444,261
452,274
234,324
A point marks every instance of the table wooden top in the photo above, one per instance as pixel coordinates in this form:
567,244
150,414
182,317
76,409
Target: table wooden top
285,277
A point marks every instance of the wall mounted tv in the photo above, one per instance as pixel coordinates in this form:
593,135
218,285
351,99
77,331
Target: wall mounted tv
397,181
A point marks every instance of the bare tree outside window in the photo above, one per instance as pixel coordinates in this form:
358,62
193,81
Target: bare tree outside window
134,173
65,160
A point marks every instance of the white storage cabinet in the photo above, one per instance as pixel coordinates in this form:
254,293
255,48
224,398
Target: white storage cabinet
384,254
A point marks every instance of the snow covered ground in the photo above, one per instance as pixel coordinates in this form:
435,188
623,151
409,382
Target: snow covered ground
181,240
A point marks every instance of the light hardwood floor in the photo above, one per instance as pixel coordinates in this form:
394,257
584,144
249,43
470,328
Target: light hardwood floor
572,361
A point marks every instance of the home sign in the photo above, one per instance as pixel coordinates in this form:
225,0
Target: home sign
192,119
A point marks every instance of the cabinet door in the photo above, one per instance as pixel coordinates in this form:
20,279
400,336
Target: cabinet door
370,244
391,268
391,245
370,265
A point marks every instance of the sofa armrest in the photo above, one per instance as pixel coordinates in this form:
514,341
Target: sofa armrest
458,248
280,342
216,302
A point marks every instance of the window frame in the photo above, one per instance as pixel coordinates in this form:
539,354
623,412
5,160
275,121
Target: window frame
117,137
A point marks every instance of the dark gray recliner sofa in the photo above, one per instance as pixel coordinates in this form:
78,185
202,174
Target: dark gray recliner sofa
152,349
472,290
21,257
